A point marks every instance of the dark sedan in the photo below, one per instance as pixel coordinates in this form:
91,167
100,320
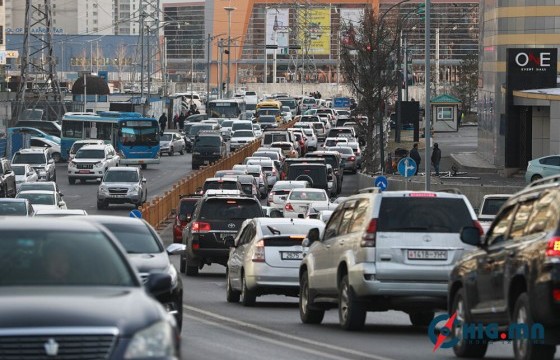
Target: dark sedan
147,253
67,289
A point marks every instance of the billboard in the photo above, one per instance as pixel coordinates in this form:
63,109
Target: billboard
277,22
316,30
350,20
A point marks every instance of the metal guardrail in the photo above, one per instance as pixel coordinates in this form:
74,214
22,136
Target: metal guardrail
157,211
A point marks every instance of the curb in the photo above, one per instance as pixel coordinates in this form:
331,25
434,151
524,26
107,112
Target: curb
471,168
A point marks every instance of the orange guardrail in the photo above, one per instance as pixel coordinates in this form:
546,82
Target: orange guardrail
157,211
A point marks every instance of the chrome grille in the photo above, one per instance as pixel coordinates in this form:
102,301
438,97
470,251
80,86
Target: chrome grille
118,191
84,166
70,343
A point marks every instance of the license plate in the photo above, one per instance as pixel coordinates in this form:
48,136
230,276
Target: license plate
206,162
118,196
83,172
427,254
291,255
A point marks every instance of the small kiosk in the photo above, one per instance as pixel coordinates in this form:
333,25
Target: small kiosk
445,113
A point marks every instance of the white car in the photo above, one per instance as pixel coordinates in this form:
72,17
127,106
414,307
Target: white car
24,174
172,142
77,145
257,130
54,148
288,148
311,139
240,138
91,162
299,202
59,212
280,191
268,168
334,141
43,199
225,129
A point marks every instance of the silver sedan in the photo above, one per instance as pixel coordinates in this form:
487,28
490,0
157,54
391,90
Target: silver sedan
350,160
264,258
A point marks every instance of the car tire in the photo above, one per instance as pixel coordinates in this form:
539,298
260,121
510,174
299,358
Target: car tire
4,191
421,318
171,151
182,152
464,348
232,296
351,312
536,177
527,349
101,205
179,314
191,271
182,265
307,314
71,180
248,297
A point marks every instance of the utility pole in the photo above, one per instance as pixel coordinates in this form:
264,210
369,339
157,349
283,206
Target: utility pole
221,72
405,69
229,9
398,126
208,58
142,15
427,116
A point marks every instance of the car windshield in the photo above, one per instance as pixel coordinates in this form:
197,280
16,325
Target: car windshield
140,135
61,258
241,126
308,195
38,158
13,208
343,150
136,239
166,137
195,129
90,154
267,119
317,125
270,138
77,146
230,209
207,141
19,170
287,229
220,185
289,102
492,206
227,123
37,185
270,155
243,133
120,176
423,214
37,199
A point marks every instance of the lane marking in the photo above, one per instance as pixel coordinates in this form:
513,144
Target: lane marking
263,338
284,335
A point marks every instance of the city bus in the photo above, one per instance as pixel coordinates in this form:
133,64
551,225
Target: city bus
225,108
136,138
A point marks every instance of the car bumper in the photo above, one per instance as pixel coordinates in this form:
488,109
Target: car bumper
350,165
126,199
138,161
263,275
216,255
92,174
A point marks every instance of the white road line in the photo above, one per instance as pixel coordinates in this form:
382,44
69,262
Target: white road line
284,335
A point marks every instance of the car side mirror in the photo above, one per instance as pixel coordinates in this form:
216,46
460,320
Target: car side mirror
61,203
175,248
471,235
51,161
229,241
312,236
144,180
184,217
158,283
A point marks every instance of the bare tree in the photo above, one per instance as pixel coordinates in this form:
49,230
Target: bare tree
467,85
121,61
368,62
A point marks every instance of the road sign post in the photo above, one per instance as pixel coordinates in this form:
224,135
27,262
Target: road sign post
381,182
407,168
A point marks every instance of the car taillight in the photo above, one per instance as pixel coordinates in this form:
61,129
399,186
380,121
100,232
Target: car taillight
553,247
258,254
270,195
368,239
200,226
556,295
289,207
477,225
352,158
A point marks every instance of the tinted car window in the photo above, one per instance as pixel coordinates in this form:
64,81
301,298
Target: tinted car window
195,129
491,206
220,185
230,209
207,141
187,207
317,173
546,214
90,154
329,159
121,176
425,214
18,170
38,199
13,208
270,138
552,160
20,158
136,239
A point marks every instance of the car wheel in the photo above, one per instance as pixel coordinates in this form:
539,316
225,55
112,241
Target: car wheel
536,177
232,296
351,312
525,348
179,309
171,151
54,177
71,181
101,205
4,191
144,166
182,152
421,318
56,157
192,271
306,313
464,348
248,297
182,264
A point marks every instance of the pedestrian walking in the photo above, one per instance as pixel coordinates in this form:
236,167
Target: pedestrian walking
181,121
162,122
415,155
436,158
176,121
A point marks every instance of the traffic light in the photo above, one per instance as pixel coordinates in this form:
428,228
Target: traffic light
422,11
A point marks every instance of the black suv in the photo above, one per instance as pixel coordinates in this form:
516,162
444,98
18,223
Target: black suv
315,174
215,218
514,275
208,146
7,179
334,159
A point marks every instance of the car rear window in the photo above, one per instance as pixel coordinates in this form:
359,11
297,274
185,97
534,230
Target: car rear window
220,185
230,209
136,239
329,159
270,138
423,214
208,141
13,208
317,173
187,207
492,206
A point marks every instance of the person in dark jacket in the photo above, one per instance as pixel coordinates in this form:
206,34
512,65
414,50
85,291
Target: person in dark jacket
415,155
163,122
182,119
436,158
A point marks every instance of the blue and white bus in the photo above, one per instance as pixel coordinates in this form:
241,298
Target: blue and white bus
135,137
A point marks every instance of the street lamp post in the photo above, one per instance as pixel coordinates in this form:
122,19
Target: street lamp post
229,9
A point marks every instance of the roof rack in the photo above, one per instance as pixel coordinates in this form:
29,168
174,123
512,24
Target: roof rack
226,193
369,190
547,180
182,196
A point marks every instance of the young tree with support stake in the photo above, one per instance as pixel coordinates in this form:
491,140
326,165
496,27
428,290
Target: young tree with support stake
368,60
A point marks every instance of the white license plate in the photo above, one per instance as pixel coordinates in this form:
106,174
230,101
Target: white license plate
427,254
291,255
84,172
118,196
206,162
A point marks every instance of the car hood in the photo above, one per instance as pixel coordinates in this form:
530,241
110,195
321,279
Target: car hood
237,139
43,206
129,309
164,143
87,161
146,263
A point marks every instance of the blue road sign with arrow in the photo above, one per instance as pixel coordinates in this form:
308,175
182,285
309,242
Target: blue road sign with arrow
381,182
407,167
135,214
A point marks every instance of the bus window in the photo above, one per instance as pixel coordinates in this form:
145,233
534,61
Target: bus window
104,130
72,129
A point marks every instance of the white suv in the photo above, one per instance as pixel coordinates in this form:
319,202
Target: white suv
384,251
91,162
40,159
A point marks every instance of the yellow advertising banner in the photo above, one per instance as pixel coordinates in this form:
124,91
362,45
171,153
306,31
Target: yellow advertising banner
316,31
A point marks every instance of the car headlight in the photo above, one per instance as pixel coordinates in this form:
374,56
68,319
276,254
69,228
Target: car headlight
42,173
196,153
134,189
155,341
98,164
103,189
